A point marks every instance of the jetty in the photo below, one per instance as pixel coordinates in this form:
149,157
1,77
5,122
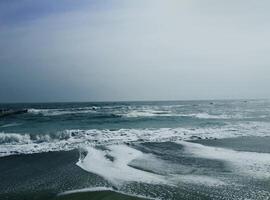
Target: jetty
9,112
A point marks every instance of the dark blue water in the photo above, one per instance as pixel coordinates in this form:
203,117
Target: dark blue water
59,120
163,150
44,118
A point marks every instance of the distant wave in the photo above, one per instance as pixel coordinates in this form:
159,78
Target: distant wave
106,110
15,143
211,116
55,112
156,113
145,112
10,125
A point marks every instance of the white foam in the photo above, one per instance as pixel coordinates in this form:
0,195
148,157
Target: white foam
148,113
248,163
168,113
13,138
208,116
10,125
93,189
139,111
14,143
99,189
117,171
30,148
66,111
200,180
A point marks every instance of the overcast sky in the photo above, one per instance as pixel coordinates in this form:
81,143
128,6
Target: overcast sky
107,50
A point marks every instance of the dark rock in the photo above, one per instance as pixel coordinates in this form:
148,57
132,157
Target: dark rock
9,112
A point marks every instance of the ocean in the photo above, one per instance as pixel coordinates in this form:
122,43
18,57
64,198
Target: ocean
136,150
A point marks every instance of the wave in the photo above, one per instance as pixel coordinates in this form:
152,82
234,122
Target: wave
202,115
141,112
164,113
117,171
93,189
208,116
147,113
116,111
100,189
55,112
114,163
10,125
247,163
73,111
13,138
15,143
17,139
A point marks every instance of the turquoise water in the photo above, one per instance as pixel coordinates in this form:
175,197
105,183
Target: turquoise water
160,150
56,119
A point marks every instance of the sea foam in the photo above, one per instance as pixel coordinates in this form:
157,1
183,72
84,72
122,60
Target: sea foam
116,170
140,112
246,163
115,165
100,189
23,143
56,112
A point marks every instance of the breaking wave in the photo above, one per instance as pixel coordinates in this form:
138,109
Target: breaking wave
55,112
15,143
128,112
247,163
119,170
99,189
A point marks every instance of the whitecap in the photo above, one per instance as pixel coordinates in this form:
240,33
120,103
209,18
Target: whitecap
246,163
24,143
117,171
113,164
13,138
66,111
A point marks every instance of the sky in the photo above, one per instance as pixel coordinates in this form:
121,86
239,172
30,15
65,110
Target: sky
119,50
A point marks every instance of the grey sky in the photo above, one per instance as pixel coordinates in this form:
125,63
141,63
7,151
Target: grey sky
134,50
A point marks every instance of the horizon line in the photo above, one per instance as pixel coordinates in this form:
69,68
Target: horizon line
126,101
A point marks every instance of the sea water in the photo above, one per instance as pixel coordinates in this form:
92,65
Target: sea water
156,150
